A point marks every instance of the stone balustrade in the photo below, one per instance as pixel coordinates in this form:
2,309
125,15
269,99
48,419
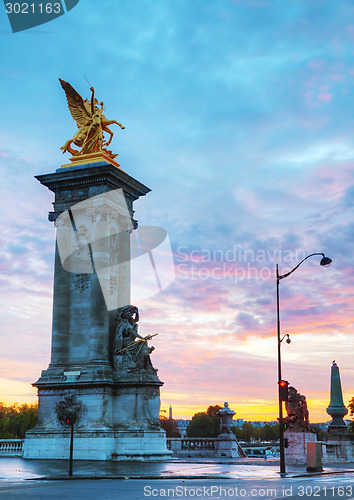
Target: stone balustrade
209,447
192,446
11,447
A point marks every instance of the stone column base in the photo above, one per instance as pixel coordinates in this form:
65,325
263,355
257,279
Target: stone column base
226,445
296,453
138,445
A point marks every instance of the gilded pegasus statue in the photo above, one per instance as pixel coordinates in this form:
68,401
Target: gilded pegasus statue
91,123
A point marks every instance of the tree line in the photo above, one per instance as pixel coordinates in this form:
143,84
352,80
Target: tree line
207,424
16,420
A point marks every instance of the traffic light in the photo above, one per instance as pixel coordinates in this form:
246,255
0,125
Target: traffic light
286,442
283,390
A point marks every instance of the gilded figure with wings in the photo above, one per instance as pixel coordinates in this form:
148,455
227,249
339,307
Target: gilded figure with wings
91,123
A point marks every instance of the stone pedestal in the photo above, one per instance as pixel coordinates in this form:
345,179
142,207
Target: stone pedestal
296,453
226,445
121,421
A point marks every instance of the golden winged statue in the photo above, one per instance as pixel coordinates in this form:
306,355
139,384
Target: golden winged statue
91,123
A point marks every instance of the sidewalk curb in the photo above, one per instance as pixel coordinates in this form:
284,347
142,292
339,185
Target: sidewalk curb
184,478
67,478
325,473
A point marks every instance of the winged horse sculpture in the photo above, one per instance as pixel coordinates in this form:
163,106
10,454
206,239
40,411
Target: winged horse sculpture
91,122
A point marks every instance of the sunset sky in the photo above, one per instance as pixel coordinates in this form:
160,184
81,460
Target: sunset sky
239,117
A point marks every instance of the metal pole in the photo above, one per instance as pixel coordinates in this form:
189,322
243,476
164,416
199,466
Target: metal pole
281,430
71,449
325,261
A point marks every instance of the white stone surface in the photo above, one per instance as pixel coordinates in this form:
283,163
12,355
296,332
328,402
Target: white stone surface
296,453
337,451
226,446
118,445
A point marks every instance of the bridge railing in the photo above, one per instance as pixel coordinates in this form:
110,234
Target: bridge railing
208,446
195,446
11,447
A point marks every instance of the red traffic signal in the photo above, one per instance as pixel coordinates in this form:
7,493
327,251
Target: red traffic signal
283,390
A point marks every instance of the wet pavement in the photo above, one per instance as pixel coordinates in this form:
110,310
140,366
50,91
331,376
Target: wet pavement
15,468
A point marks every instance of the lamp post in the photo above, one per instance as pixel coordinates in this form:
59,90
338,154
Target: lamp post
325,261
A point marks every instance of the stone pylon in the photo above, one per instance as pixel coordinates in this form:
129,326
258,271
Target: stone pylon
91,284
336,409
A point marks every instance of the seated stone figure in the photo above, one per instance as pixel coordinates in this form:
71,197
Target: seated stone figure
297,417
130,350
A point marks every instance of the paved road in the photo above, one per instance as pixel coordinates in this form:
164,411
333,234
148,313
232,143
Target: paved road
39,479
336,487
18,468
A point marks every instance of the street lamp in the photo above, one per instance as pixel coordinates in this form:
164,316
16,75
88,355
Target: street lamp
325,261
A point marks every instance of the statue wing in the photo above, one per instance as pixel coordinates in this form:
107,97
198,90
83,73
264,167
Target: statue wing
76,105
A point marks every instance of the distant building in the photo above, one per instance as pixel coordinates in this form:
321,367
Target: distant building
238,422
182,426
257,423
263,423
324,425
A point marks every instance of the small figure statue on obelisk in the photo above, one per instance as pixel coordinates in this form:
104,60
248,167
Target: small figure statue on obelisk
91,123
336,409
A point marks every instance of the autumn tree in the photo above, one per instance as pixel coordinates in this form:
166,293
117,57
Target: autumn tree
212,413
170,426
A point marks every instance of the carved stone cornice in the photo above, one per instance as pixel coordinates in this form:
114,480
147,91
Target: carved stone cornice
91,175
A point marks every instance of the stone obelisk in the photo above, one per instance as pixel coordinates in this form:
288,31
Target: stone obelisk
97,354
336,409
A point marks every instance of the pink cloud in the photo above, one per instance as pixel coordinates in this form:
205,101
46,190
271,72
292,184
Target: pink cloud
325,96
316,64
337,78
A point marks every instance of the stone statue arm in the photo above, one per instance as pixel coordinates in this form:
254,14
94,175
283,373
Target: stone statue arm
148,337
